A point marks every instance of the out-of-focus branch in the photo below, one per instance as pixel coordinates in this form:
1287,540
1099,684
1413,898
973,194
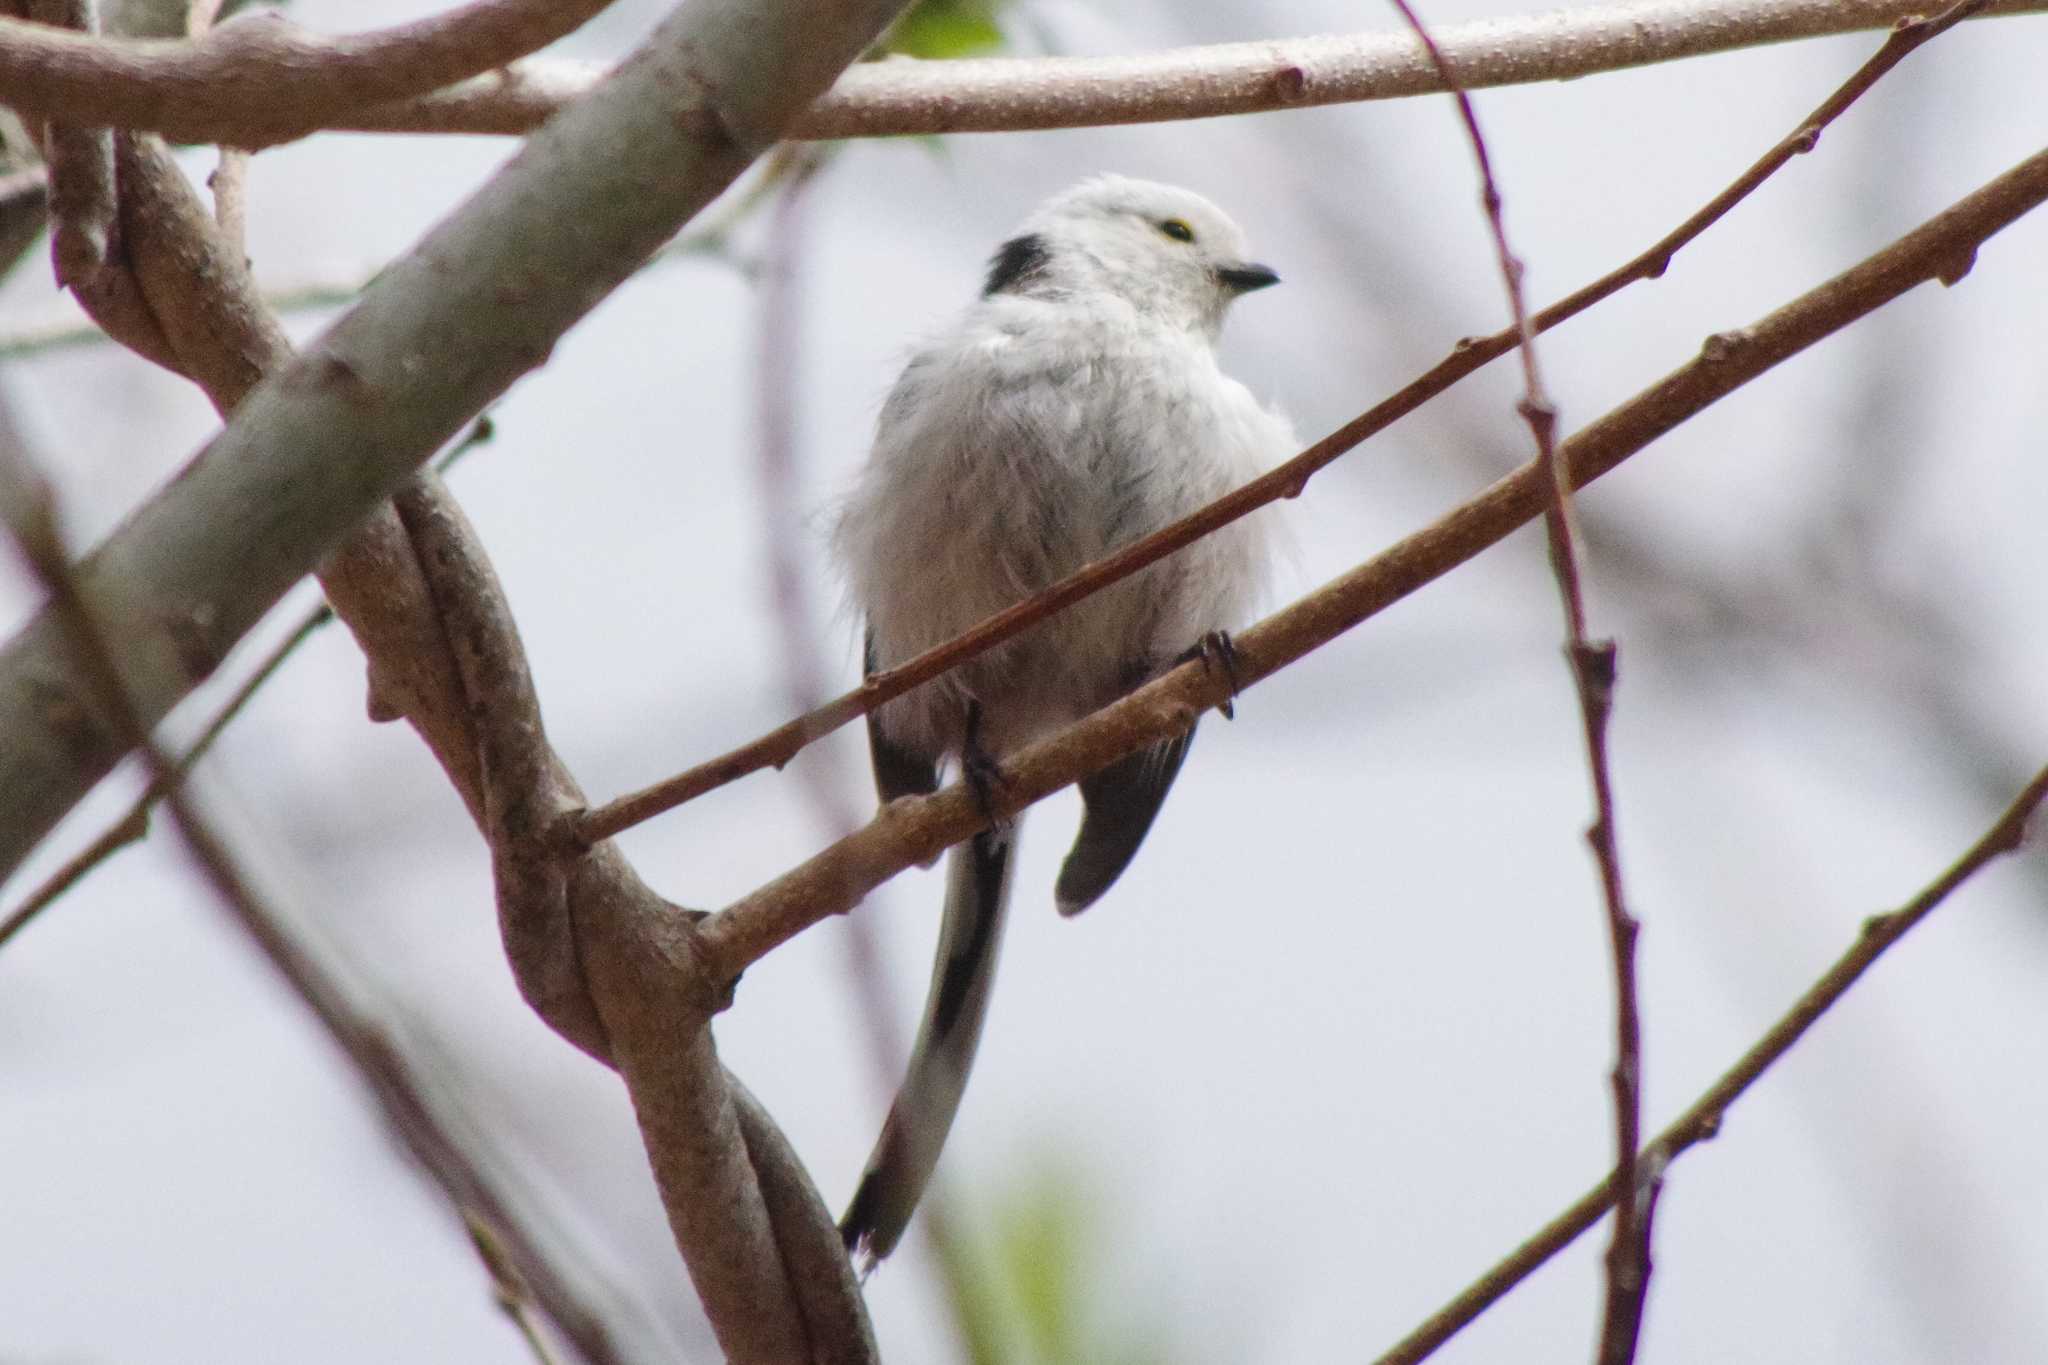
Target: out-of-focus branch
999,94
134,825
915,829
419,1122
781,744
1702,1119
24,208
260,80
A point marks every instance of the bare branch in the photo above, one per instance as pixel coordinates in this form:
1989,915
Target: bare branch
912,830
229,183
133,826
259,80
644,1006
331,434
1592,666
81,161
986,95
783,743
1702,1120
32,522
199,16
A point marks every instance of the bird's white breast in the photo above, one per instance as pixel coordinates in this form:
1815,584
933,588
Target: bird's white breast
1036,436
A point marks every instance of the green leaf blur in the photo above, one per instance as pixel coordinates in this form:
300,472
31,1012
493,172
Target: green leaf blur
939,29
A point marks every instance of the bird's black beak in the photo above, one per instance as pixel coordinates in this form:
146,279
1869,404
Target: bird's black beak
1246,276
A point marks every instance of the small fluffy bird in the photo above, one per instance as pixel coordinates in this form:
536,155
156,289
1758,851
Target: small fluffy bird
1075,407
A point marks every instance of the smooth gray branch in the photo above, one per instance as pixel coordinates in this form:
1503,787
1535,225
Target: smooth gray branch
435,338
986,95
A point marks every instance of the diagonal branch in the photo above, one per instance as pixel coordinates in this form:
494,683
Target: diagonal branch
913,830
1000,94
1702,1119
783,743
260,80
320,440
442,332
427,1127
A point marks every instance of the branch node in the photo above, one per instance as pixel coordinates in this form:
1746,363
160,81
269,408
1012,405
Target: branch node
1953,272
1290,85
1722,347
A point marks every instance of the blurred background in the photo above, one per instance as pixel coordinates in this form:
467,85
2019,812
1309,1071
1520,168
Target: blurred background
1339,1040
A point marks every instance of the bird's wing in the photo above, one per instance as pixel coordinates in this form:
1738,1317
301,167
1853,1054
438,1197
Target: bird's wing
1120,803
977,891
899,771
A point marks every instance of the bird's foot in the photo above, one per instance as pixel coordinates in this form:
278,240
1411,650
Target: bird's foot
1217,652
984,776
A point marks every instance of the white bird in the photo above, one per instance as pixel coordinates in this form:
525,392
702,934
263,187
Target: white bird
1075,407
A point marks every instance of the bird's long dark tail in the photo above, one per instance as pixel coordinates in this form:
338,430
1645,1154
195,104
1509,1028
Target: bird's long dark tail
977,893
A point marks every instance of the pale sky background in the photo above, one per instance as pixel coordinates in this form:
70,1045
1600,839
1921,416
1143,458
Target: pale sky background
1339,1040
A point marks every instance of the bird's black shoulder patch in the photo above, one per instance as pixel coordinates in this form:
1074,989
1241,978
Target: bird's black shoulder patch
1015,263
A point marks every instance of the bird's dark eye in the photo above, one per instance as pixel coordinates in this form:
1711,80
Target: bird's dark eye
1177,229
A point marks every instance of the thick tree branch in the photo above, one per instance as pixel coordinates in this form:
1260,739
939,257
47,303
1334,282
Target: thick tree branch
1702,1119
986,95
259,80
410,357
913,830
438,335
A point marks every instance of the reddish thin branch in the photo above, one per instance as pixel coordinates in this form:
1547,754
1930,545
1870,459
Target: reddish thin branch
1702,1119
1593,665
780,745
260,80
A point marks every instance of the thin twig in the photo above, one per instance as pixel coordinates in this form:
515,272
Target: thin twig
712,242
230,185
984,95
1593,665
1702,1119
133,826
229,181
780,745
199,16
32,520
795,167
914,829
509,1290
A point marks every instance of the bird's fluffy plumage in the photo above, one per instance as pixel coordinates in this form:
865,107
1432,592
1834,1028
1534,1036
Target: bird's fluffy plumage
1054,422
1076,407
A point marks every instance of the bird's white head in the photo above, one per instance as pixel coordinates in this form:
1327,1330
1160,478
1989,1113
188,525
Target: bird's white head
1164,250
